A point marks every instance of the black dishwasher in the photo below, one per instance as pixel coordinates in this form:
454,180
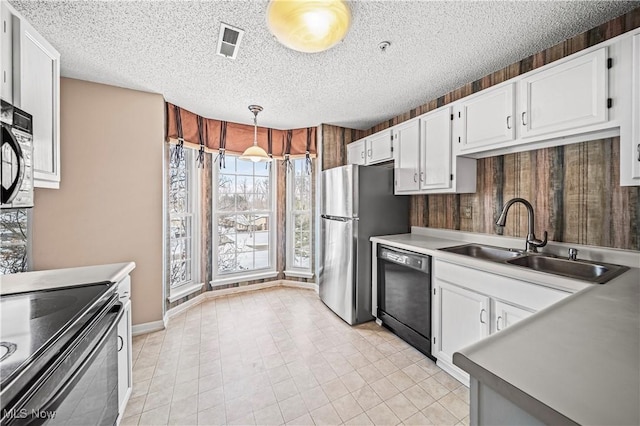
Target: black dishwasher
404,295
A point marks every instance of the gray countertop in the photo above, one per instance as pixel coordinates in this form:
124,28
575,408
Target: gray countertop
42,280
576,361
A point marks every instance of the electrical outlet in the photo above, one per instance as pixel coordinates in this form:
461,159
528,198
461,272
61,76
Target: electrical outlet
466,212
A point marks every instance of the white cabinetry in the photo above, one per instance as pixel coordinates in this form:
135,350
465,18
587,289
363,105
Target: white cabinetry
36,89
506,314
407,165
425,162
125,379
373,149
487,118
355,152
569,95
635,117
463,319
6,53
469,304
379,147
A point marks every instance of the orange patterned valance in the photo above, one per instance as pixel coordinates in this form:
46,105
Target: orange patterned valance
238,136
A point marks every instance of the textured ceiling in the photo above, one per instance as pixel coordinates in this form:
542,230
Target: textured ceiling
168,47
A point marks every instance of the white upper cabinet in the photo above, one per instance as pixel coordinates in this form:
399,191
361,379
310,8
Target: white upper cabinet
373,149
36,90
407,164
635,115
6,54
436,150
379,147
355,152
487,118
570,95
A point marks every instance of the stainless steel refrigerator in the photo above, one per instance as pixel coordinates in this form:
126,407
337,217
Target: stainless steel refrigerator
357,203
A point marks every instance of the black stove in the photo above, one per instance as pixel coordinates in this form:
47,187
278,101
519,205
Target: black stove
36,327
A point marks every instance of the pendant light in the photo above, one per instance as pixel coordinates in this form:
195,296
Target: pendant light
254,152
309,26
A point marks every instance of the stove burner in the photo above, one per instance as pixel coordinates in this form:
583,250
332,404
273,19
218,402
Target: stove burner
6,350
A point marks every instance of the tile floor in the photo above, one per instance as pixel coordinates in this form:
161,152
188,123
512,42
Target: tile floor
280,356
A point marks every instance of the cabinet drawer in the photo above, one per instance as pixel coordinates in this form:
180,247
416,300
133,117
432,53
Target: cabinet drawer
514,291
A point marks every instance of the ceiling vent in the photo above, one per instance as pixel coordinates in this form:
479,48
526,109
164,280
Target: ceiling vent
229,41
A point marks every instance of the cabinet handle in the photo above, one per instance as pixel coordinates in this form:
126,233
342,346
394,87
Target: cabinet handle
508,122
498,323
483,311
524,114
121,343
415,177
369,152
421,176
362,154
638,149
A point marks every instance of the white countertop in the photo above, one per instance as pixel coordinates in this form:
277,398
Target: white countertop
43,280
577,360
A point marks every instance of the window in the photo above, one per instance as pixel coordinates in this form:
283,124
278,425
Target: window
243,221
183,218
299,205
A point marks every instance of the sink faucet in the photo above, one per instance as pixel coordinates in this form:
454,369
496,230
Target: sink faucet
532,242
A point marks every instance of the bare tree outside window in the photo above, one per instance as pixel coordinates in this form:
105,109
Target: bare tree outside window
299,217
13,235
243,216
181,218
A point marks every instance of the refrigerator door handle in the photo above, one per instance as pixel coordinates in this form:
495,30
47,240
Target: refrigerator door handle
340,219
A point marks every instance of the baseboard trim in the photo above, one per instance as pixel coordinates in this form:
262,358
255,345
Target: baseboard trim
147,327
150,327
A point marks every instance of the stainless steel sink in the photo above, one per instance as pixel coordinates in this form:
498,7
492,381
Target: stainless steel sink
479,251
579,269
596,272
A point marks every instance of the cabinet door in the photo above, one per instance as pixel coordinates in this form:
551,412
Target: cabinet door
487,118
570,95
505,314
436,150
124,357
379,147
355,153
407,139
6,54
463,318
635,111
37,79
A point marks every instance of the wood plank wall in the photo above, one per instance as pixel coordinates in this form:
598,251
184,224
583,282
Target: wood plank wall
574,189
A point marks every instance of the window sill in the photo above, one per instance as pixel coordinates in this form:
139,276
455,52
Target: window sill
299,274
183,291
242,278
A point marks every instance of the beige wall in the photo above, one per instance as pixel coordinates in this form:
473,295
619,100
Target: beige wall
109,205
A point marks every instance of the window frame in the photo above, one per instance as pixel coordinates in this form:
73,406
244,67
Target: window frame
290,269
219,279
193,192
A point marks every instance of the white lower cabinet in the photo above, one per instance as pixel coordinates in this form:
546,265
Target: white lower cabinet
463,319
506,314
125,377
470,304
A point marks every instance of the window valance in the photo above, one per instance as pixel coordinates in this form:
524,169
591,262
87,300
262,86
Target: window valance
236,137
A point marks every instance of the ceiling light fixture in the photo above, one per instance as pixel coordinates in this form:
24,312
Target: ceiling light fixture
309,26
254,152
